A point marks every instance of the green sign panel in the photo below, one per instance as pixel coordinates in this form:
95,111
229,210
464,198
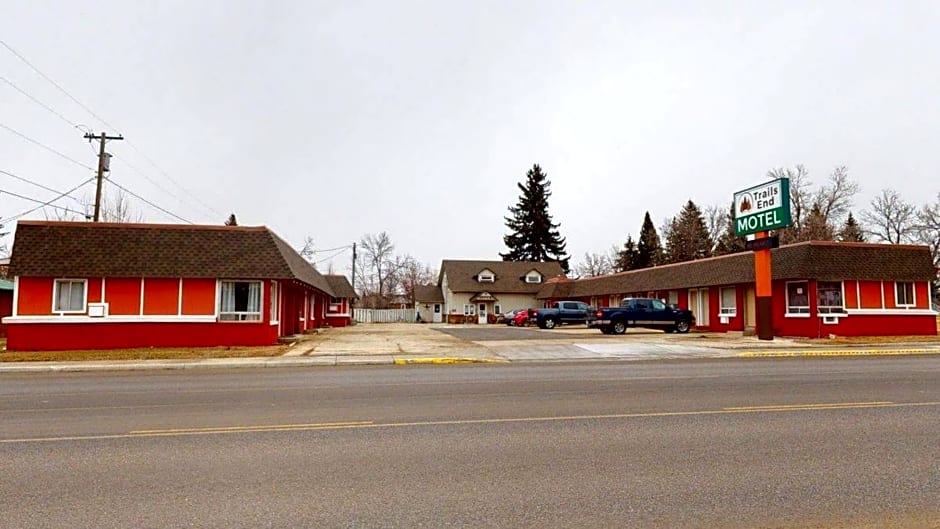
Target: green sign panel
761,208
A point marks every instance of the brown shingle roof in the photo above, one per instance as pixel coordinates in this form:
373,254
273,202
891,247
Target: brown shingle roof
341,287
428,294
510,275
811,260
89,249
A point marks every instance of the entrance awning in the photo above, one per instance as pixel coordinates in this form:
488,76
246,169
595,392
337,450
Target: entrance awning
483,296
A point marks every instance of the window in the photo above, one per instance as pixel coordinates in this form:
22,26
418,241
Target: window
496,309
658,305
241,301
643,304
336,304
904,294
274,305
829,296
729,302
69,295
486,277
533,277
798,297
673,297
469,310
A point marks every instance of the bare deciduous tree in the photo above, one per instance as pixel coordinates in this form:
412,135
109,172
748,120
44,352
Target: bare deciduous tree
116,207
594,264
379,266
835,198
412,273
928,233
716,220
891,219
801,198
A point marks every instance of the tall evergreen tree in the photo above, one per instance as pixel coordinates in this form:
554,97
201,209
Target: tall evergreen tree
851,231
729,242
649,250
533,236
688,236
231,220
626,258
816,227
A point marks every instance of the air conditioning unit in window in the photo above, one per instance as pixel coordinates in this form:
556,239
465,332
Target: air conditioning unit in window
97,310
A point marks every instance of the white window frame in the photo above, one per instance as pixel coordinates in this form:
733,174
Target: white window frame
469,309
673,297
496,308
897,302
797,313
335,306
275,303
827,310
261,301
486,276
533,277
724,310
55,295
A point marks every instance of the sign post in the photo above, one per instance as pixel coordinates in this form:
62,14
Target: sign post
758,210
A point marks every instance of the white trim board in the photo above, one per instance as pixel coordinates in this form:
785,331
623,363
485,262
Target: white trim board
112,319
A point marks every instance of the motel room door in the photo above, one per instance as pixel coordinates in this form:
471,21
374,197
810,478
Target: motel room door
436,318
698,304
750,309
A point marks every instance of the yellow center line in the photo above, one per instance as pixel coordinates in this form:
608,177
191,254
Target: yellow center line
214,429
458,422
812,406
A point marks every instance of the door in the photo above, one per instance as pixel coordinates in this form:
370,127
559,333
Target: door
481,314
750,309
698,304
437,313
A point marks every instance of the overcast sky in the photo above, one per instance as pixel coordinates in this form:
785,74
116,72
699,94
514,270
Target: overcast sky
336,119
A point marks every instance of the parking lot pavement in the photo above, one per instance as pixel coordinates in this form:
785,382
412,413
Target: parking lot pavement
386,339
488,333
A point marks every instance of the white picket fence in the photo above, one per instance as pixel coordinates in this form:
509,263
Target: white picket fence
384,315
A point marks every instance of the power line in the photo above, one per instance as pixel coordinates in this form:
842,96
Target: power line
38,102
48,148
144,200
109,125
148,178
337,254
46,203
28,181
171,179
55,84
348,246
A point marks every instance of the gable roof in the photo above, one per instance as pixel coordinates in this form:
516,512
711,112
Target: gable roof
429,294
826,261
98,249
341,287
510,275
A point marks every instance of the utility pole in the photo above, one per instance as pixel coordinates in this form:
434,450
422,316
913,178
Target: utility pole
352,302
103,165
354,268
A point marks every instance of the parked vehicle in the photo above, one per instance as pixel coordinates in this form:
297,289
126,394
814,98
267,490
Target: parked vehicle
521,318
641,312
507,317
561,313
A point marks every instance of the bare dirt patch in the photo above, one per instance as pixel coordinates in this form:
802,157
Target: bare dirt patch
385,339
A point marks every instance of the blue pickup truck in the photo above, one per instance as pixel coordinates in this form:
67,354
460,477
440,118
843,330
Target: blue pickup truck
641,312
561,312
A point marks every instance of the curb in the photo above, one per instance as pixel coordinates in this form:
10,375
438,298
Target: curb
842,353
448,360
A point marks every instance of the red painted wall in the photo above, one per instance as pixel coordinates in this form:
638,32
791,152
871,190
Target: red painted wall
35,296
923,295
871,294
6,308
198,297
736,322
161,297
69,336
123,295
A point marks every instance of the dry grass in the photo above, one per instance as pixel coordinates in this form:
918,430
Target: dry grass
870,340
153,353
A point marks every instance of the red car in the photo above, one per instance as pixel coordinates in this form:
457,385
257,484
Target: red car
521,318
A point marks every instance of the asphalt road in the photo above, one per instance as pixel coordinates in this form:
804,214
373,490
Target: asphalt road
718,443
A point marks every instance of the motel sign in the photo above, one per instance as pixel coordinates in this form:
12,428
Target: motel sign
762,208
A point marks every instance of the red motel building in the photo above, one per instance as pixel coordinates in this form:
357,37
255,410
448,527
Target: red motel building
819,288
83,285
